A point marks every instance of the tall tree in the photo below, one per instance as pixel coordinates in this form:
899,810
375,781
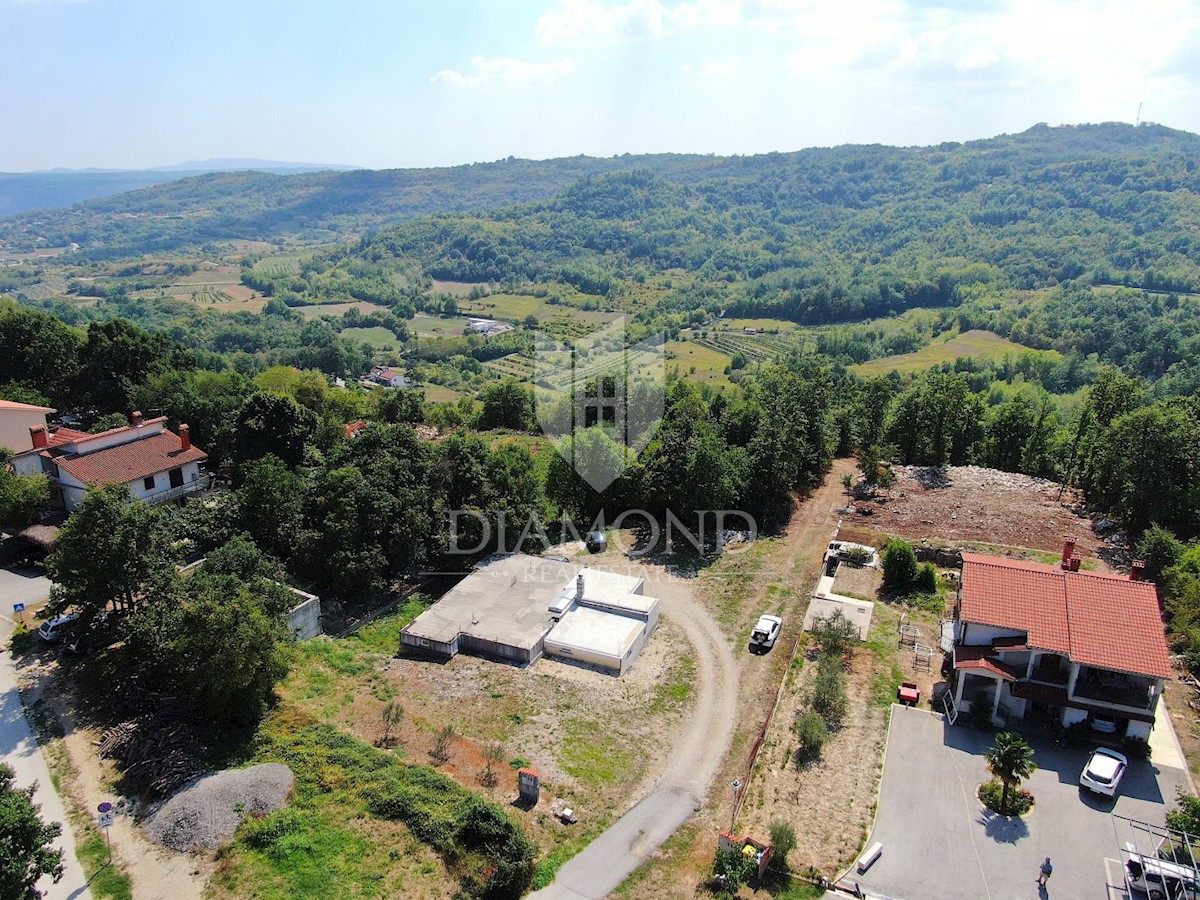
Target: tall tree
272,424
26,854
108,552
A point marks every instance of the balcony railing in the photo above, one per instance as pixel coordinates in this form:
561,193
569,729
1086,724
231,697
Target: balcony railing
1117,692
175,493
1057,675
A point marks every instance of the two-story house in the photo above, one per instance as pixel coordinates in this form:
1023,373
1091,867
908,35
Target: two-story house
1056,645
16,419
157,465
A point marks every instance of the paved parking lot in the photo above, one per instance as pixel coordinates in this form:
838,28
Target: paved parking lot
940,843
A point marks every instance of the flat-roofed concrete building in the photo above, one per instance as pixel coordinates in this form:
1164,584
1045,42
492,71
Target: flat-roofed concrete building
516,608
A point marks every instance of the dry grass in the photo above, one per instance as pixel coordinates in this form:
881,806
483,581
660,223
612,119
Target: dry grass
975,344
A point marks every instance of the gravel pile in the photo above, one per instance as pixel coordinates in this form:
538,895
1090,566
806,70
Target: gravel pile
206,813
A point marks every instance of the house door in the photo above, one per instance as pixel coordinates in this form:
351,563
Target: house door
176,478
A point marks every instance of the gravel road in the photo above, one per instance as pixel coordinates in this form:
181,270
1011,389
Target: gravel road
628,842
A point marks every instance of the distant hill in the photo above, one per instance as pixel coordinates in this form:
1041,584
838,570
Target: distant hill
56,188
1085,179
225,164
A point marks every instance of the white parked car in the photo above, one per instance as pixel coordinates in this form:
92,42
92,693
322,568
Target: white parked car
1160,879
1104,771
766,631
52,629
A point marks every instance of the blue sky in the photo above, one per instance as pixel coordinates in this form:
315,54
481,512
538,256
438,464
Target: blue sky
131,83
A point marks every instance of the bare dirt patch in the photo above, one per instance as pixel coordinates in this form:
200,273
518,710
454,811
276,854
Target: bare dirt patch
969,504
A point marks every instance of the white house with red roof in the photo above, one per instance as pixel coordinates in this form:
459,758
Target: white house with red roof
15,421
158,465
1055,645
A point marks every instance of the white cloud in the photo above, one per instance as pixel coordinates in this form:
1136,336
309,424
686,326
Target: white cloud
717,70
505,70
577,20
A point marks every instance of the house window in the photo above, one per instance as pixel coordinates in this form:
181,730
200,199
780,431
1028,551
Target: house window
148,482
176,478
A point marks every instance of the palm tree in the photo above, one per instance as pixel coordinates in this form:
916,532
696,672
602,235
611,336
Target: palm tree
1011,761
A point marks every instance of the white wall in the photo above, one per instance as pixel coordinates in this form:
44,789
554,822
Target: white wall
162,482
15,425
1138,730
976,635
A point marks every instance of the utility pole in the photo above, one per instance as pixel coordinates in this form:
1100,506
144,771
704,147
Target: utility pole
737,786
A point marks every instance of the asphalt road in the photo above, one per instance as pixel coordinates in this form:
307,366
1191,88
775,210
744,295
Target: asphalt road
606,862
940,843
18,746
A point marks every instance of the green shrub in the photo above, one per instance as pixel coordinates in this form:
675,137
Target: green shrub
485,850
926,581
834,634
811,735
899,566
829,690
783,842
262,834
1019,801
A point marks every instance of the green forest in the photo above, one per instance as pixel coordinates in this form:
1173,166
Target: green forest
1077,248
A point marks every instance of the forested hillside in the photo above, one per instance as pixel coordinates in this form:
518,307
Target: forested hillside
1018,202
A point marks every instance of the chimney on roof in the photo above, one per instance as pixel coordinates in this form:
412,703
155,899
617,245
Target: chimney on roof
1068,553
1138,570
579,586
39,436
137,418
185,437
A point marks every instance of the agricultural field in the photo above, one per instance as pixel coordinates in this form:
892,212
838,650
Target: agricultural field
755,348
317,310
782,326
513,366
696,362
437,393
454,288
513,307
276,266
437,326
981,345
376,337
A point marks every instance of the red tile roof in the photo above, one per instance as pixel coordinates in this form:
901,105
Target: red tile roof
1097,620
66,436
983,657
130,461
354,428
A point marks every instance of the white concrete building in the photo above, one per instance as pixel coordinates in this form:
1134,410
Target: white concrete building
516,608
16,420
157,465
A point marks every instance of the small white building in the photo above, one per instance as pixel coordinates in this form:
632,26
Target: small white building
387,377
16,420
488,327
605,620
158,465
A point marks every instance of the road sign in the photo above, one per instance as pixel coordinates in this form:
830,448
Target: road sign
18,607
106,814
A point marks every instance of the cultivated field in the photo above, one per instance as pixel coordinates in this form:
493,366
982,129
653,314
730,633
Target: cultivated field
696,362
317,310
976,344
376,337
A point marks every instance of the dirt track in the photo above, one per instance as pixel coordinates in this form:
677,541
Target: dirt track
694,760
